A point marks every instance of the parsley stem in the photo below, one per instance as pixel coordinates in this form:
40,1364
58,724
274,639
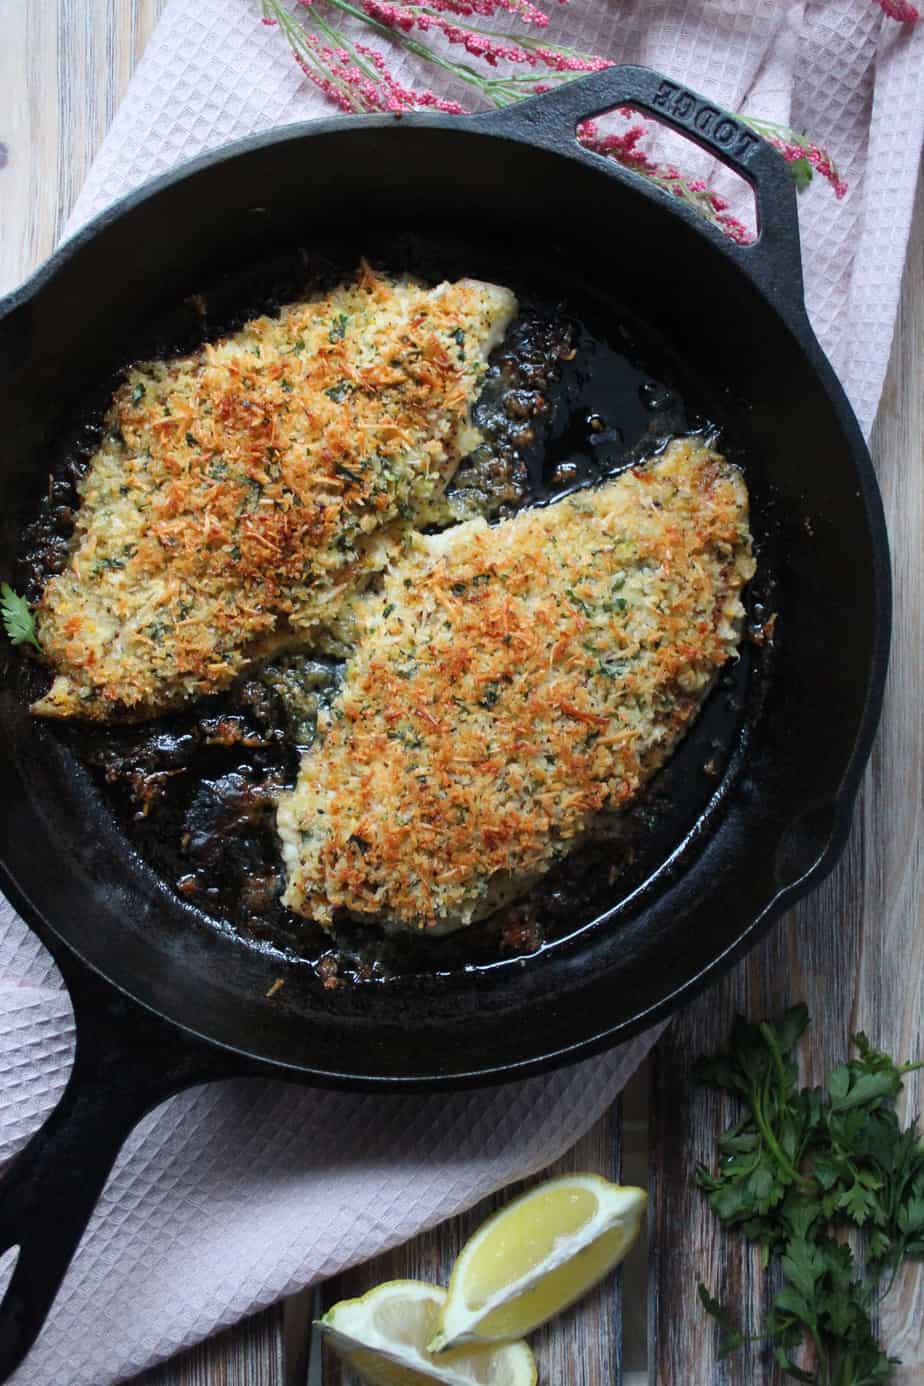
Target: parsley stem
773,1145
770,1040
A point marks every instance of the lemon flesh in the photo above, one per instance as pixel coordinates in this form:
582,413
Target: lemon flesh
383,1337
537,1256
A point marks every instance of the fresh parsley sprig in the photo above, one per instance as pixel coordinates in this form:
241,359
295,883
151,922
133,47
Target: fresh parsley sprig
18,620
799,1166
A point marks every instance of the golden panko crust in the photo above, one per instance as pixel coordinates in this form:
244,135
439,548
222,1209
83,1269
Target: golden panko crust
238,492
513,683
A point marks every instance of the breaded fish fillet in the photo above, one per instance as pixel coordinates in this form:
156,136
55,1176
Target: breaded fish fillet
512,684
238,491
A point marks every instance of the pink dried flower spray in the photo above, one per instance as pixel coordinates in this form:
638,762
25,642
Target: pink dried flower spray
900,10
444,34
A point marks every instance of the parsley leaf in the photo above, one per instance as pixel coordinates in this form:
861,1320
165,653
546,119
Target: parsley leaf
796,1168
18,621
732,1337
801,172
338,327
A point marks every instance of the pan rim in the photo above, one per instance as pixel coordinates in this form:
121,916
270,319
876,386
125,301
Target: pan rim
843,797
246,1062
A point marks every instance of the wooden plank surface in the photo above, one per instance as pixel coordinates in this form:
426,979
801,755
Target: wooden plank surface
853,951
251,1353
891,972
64,67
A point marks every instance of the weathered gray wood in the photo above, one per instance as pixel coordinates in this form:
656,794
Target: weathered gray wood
583,1347
853,952
890,988
250,1354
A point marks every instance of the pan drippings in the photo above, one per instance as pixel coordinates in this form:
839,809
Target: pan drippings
565,402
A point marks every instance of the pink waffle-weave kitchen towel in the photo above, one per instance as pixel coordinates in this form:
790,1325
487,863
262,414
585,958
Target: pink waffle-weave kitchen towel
230,1196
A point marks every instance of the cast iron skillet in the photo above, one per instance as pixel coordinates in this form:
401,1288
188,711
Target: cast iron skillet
162,1001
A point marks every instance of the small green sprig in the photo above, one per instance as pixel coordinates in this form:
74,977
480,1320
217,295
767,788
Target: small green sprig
18,620
798,1167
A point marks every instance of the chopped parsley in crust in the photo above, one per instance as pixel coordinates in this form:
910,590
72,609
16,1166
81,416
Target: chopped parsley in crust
239,492
512,684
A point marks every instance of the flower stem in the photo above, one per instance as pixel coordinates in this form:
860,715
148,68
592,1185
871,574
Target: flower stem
356,78
413,45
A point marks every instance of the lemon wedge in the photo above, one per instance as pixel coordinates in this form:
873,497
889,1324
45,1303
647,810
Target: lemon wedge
383,1336
535,1257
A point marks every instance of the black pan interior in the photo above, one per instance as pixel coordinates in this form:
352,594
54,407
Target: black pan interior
744,809
194,792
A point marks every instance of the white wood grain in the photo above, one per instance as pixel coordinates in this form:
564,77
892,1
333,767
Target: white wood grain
64,67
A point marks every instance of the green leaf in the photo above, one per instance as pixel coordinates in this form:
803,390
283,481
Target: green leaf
874,1061
739,1145
790,1135
829,1204
18,621
847,1126
716,1073
790,1301
792,1027
810,1105
732,1337
840,1315
802,173
799,1214
858,1203
794,1168
908,1155
763,1187
730,1201
826,1168
869,1087
803,1265
879,1140
338,327
838,1083
763,1231
710,1303
878,1245
910,1218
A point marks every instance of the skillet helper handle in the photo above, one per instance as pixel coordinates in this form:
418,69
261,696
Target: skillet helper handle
774,260
126,1062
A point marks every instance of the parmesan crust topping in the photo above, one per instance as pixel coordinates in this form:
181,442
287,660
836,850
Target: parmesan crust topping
238,491
511,684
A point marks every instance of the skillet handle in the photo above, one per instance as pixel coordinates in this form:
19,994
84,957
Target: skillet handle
126,1062
774,260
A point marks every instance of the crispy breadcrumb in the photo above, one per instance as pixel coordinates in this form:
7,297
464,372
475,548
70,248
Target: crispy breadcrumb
511,684
239,492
